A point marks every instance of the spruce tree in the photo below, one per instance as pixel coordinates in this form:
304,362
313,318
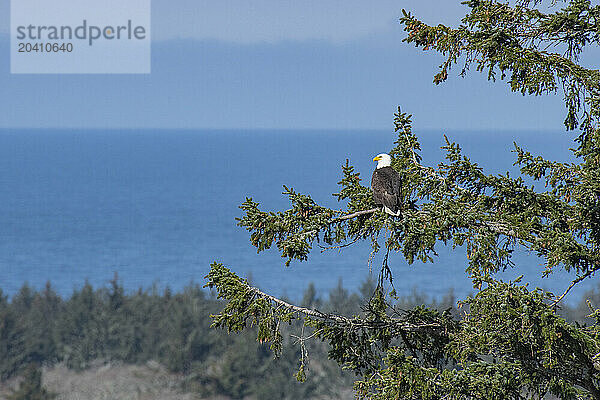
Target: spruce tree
507,341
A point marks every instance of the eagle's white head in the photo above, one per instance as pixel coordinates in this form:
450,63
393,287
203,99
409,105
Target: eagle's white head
383,160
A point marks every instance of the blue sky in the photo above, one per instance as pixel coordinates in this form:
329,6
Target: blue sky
275,64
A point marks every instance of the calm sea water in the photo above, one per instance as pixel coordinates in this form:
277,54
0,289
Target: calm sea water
157,207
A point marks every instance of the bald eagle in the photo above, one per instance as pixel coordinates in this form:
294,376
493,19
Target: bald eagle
386,185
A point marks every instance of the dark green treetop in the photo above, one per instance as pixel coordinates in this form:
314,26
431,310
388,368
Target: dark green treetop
508,341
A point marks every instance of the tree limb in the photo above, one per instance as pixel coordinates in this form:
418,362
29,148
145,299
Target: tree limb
352,322
355,214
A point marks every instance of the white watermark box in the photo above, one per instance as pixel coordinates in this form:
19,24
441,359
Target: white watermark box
80,36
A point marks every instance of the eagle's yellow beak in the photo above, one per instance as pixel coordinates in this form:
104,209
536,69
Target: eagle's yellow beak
377,158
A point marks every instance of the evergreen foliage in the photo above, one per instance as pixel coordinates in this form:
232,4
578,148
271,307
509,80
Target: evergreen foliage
508,341
106,325
31,387
149,326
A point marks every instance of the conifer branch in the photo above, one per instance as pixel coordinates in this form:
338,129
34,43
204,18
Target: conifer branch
511,342
355,214
351,322
342,218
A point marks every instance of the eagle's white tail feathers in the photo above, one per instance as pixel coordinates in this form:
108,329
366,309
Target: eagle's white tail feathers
388,211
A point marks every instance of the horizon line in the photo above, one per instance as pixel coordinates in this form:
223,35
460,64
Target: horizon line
288,129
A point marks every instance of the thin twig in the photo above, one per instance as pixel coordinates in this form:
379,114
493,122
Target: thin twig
338,247
386,272
573,283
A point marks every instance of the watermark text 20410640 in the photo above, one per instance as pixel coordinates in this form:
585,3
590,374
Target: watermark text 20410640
28,47
112,36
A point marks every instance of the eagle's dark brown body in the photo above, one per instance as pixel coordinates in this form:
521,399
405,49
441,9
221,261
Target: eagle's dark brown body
386,185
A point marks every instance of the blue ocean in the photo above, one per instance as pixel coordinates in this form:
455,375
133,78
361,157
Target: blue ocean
157,207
